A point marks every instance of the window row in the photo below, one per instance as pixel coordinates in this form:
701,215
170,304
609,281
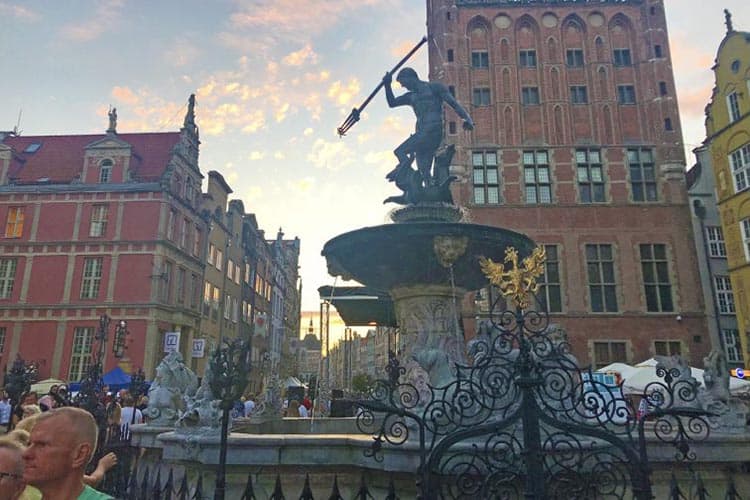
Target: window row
185,233
234,270
537,178
606,352
574,58
189,190
234,310
530,96
172,286
602,282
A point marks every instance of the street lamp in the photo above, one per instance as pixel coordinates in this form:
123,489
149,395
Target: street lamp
118,344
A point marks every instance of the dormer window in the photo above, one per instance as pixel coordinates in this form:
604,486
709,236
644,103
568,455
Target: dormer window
33,147
105,171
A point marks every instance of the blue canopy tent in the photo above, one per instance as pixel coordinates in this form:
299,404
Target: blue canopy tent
116,379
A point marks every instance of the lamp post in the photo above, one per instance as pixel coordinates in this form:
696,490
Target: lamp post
18,382
101,338
230,364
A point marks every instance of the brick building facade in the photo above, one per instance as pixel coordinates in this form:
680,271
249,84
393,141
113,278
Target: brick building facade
102,224
116,224
578,144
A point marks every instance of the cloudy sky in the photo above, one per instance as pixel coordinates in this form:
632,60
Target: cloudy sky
273,79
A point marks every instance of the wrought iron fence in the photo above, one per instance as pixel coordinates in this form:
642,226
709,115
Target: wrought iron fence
144,483
522,420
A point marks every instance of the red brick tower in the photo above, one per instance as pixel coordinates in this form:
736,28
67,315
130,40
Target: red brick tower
578,144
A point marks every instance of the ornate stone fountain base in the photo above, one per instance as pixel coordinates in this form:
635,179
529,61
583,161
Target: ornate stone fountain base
431,340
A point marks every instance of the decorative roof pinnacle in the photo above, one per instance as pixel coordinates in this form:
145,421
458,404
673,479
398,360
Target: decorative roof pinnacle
728,21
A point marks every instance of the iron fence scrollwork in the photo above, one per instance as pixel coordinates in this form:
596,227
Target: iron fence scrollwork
521,419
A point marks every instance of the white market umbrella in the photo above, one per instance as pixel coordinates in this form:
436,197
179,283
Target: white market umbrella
42,387
644,373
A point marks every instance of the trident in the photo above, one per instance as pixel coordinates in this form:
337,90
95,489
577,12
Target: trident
354,115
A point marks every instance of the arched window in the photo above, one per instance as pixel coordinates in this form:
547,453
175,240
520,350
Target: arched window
555,77
105,171
189,191
603,84
504,50
601,51
552,49
177,185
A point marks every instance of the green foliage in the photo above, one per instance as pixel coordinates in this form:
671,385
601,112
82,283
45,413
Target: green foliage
362,383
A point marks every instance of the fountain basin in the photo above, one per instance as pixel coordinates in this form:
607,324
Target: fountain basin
395,255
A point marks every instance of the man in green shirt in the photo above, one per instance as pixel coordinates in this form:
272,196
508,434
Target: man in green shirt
62,443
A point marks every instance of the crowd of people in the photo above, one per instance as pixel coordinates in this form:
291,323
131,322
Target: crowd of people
296,409
46,444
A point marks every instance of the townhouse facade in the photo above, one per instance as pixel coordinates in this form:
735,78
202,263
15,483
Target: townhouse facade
728,144
711,249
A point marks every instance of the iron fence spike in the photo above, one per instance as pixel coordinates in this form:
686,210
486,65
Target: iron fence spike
169,486
249,494
278,493
674,489
144,484
335,493
732,493
183,493
701,488
363,493
391,490
156,487
306,491
198,495
132,486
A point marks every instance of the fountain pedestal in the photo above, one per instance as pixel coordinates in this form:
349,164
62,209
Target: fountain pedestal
431,338
426,261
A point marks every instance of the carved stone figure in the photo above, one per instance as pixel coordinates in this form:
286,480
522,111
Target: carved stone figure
202,413
729,414
480,346
716,376
426,99
112,129
433,341
173,381
190,114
